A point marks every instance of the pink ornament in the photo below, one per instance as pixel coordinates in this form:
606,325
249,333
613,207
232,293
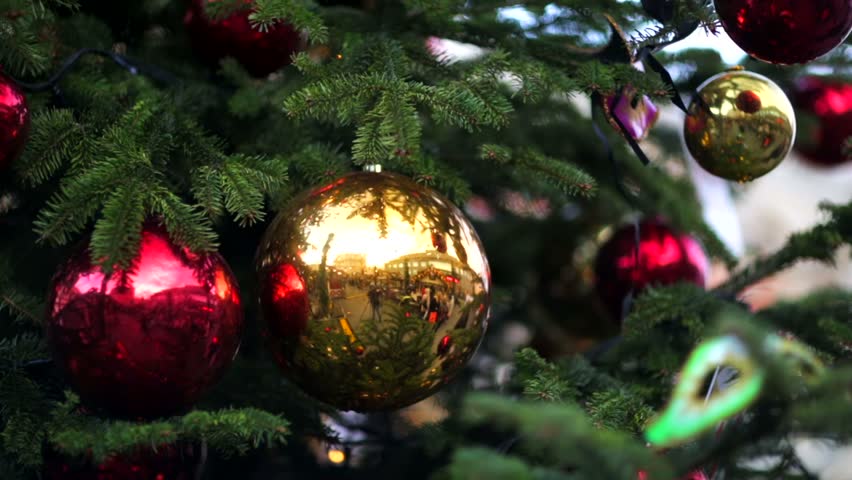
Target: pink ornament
637,115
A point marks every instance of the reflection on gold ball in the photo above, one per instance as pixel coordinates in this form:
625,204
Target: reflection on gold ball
740,125
375,291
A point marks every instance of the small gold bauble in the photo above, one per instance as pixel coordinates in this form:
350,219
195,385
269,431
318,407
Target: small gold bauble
740,125
375,291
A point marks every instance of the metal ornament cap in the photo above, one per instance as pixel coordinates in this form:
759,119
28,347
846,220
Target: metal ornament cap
740,125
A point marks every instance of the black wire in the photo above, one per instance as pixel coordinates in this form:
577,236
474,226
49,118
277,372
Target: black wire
132,66
634,145
645,55
658,67
616,170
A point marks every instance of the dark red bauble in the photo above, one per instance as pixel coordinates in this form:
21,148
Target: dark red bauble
786,31
14,122
664,257
824,108
147,341
696,475
260,53
168,462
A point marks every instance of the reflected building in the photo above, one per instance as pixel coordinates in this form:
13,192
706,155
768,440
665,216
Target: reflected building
351,263
398,291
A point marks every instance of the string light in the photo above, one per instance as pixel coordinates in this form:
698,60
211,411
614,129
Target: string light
336,456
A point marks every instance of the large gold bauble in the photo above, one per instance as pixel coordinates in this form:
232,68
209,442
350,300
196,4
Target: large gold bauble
375,291
740,125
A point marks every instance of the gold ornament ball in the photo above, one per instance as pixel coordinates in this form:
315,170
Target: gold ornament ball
740,125
375,291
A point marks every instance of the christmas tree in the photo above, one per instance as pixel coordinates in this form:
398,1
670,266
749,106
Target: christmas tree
231,244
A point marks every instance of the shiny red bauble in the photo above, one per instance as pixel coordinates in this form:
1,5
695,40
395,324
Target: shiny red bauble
260,53
786,31
167,462
14,121
663,257
696,475
824,108
149,340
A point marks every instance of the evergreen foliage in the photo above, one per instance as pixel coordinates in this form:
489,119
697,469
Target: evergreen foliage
213,153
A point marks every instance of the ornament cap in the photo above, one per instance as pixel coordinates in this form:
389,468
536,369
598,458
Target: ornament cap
373,167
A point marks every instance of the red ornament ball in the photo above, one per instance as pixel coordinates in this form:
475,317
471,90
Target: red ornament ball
168,462
786,31
14,121
664,257
824,107
149,340
260,53
696,475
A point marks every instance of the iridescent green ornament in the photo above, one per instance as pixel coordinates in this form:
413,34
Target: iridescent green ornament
690,412
687,414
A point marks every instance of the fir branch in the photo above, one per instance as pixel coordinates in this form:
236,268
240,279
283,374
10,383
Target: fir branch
117,234
341,98
820,319
619,410
296,12
243,198
23,51
369,145
55,136
568,178
684,303
187,225
819,243
17,351
232,431
76,203
544,430
208,191
22,437
482,464
22,307
317,163
541,379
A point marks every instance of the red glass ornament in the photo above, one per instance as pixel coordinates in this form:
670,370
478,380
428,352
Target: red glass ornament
149,340
696,475
664,257
825,110
260,53
786,31
168,462
14,121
